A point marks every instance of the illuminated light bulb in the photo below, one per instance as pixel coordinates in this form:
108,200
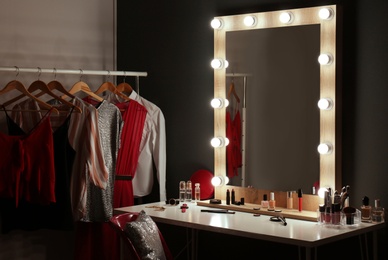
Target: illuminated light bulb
216,23
226,180
325,59
285,17
219,142
219,103
325,104
326,13
325,148
216,181
216,64
216,142
219,64
249,21
321,192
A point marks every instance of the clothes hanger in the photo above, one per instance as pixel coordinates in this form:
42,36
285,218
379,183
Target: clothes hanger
44,89
81,86
110,87
232,90
40,85
55,84
14,84
124,87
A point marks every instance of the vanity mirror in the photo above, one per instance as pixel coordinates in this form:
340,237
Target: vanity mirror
312,138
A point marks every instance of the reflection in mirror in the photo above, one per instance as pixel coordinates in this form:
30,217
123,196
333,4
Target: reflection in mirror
281,116
296,81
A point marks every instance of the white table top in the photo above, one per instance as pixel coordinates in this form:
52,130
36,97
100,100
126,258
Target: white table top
296,232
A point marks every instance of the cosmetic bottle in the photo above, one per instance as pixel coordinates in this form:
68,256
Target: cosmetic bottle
377,212
189,191
300,199
227,197
328,206
182,191
233,198
366,210
264,202
321,214
336,215
337,197
289,200
197,194
272,202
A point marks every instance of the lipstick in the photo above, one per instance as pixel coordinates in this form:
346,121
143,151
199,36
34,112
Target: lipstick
300,199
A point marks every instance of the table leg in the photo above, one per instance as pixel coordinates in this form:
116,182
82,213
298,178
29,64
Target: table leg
308,253
374,243
194,244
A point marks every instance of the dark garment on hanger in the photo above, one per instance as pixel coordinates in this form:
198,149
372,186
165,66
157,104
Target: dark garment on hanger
57,215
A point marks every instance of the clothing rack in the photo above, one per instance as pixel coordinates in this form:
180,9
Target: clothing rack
243,132
79,71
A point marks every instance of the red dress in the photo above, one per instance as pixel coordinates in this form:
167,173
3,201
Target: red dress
233,150
27,165
134,116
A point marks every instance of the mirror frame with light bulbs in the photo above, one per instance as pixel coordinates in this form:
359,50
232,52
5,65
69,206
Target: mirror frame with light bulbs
330,163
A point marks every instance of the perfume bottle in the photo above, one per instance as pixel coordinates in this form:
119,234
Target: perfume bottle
182,191
189,191
197,194
377,212
264,202
272,202
366,210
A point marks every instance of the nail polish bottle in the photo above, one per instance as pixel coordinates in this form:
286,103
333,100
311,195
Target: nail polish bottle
366,210
272,202
377,212
264,202
233,198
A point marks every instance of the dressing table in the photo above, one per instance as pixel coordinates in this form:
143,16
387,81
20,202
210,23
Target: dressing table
308,236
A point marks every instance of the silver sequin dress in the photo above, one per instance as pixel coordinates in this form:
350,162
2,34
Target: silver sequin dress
99,202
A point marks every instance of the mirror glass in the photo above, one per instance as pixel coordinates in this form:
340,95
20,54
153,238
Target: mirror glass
278,104
276,75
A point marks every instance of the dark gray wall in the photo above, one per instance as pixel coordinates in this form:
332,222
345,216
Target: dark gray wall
173,41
